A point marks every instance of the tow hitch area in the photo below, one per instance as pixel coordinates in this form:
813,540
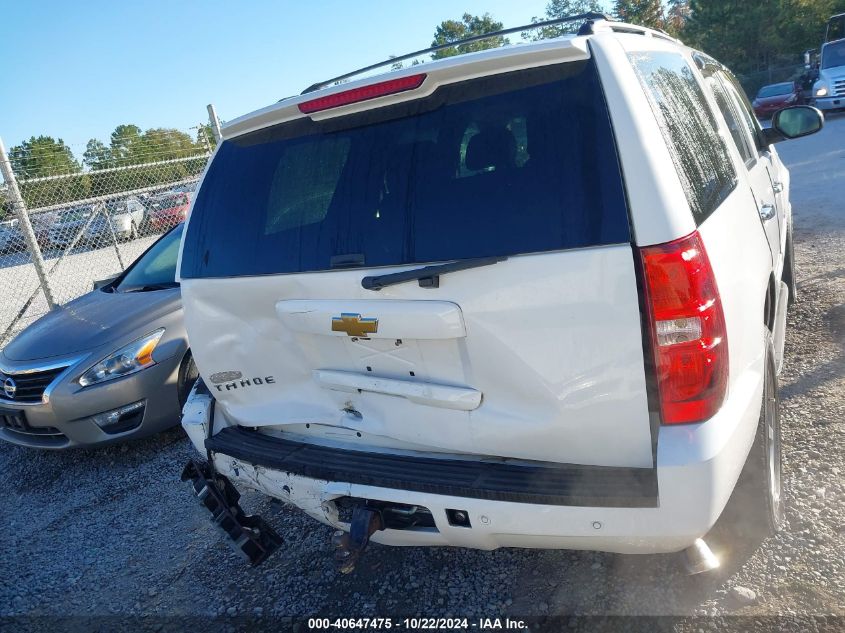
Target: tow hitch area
349,547
250,536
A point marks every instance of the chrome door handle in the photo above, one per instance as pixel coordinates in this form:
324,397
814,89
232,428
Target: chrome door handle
777,186
767,211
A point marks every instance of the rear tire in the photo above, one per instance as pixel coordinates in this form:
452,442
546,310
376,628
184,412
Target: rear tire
758,496
789,269
188,374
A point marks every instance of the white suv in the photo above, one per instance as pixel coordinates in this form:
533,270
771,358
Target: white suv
526,297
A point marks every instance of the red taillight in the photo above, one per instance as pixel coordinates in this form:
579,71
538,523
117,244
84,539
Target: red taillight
381,89
687,329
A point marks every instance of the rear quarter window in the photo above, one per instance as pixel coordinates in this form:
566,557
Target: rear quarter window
689,129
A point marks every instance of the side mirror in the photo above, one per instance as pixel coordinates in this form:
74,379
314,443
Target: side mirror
794,122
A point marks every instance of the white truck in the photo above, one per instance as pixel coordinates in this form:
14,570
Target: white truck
532,296
829,89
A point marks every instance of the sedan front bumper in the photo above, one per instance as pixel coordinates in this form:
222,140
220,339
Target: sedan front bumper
65,416
830,103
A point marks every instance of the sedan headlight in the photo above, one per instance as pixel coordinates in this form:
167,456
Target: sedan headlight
127,360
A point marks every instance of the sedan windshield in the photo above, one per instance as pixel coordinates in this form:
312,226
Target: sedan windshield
775,90
155,269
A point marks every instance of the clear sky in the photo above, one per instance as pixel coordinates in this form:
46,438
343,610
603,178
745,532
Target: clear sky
76,69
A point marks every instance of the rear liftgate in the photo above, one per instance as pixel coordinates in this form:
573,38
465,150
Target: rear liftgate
564,484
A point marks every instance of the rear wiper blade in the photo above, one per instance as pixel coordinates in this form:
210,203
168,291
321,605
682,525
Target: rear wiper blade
347,260
428,276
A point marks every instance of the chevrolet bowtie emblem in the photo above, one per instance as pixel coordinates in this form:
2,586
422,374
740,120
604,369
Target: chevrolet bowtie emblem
354,325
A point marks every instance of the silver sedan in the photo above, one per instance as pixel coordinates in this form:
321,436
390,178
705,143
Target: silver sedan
111,365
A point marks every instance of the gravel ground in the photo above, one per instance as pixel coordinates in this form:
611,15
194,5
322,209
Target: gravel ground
113,531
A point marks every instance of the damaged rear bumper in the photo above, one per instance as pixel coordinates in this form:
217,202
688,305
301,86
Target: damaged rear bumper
623,510
493,480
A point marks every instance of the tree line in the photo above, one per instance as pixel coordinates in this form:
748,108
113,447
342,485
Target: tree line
752,38
761,41
132,159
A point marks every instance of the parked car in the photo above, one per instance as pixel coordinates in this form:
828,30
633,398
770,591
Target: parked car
42,223
69,226
186,188
167,210
775,97
829,89
125,217
532,296
11,238
109,366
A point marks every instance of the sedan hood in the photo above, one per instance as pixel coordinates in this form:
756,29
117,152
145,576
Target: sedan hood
90,321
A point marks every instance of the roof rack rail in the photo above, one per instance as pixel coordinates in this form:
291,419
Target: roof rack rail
585,29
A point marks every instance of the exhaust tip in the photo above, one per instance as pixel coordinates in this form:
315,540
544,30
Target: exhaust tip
699,558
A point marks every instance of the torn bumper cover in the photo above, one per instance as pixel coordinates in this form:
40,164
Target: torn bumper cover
250,536
559,506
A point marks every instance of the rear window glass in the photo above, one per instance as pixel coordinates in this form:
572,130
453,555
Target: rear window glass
689,128
516,163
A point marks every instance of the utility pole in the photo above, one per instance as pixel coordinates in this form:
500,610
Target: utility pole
20,212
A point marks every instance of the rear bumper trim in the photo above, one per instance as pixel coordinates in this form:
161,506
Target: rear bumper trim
538,483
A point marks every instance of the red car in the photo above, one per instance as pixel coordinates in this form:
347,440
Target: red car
775,97
168,210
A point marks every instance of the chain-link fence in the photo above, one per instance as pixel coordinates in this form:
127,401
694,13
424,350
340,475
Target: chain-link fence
787,67
67,223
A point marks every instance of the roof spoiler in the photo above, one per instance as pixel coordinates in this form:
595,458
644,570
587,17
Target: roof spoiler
586,29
